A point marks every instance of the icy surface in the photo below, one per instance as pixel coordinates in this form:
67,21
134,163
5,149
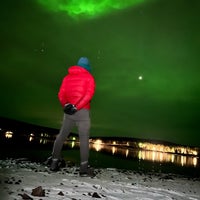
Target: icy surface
19,177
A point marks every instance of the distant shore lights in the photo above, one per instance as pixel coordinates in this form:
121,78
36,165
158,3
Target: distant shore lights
9,134
183,156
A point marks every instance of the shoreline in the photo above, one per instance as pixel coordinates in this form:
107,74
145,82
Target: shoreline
20,176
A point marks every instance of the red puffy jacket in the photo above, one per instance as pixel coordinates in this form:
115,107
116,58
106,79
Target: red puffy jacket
77,88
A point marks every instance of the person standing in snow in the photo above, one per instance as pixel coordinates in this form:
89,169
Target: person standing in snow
75,94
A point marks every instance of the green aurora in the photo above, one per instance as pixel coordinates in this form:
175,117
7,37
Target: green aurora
157,40
87,8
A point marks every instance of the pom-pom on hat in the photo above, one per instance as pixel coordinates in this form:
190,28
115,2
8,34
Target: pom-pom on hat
84,62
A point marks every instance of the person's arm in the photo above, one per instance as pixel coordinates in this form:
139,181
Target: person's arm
62,93
88,95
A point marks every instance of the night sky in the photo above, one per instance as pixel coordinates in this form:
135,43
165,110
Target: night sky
144,56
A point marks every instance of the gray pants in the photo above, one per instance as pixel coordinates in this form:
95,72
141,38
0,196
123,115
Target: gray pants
81,119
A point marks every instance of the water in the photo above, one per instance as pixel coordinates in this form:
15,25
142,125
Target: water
104,156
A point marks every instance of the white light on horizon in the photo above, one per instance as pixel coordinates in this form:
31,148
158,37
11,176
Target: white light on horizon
9,134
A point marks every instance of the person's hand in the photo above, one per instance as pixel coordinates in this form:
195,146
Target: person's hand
70,109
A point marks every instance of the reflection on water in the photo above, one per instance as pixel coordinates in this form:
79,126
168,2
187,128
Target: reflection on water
182,156
31,137
167,157
151,152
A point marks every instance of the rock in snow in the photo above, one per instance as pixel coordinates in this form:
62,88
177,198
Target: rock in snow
22,179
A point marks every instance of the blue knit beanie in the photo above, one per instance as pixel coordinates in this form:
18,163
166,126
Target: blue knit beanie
84,62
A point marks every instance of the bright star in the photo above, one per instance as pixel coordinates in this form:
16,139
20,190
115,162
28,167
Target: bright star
140,77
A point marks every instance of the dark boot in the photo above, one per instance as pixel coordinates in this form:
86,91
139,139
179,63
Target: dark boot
86,171
56,164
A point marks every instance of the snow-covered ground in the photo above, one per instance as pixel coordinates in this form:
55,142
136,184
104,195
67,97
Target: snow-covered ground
19,178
